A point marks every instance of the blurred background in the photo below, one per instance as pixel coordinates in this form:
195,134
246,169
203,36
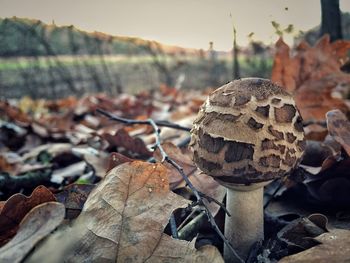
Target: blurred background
53,49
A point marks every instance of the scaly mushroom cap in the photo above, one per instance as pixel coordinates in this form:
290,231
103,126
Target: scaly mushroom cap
247,131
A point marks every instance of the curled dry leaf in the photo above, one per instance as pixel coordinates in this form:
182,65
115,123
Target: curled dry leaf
123,139
298,234
334,247
36,225
339,128
123,221
16,207
116,159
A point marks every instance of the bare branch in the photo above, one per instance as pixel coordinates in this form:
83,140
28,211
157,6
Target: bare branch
146,122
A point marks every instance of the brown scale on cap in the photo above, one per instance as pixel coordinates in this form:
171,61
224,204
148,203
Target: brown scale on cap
248,131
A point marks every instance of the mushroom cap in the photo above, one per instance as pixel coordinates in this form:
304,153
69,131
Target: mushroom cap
247,131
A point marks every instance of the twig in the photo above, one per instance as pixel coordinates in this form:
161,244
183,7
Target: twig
186,219
187,231
166,158
147,122
210,199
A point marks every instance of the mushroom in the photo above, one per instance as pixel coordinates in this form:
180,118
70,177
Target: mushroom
247,133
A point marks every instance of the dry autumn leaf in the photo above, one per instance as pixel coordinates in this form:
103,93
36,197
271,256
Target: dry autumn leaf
35,226
335,247
123,221
311,74
116,159
16,207
122,139
339,128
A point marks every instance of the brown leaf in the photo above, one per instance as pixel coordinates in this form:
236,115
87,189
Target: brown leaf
123,139
36,225
14,114
116,159
5,165
124,218
335,247
311,74
74,197
339,128
299,233
315,132
16,207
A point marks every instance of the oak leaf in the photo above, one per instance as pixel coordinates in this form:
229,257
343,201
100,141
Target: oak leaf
35,226
16,207
123,221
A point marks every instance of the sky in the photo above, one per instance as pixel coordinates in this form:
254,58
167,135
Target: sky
186,23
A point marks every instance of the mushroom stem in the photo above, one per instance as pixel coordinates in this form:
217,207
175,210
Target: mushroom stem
245,226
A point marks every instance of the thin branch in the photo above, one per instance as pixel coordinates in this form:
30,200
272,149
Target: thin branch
186,219
165,158
210,199
190,229
146,122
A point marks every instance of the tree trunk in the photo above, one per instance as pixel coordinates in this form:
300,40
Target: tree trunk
331,19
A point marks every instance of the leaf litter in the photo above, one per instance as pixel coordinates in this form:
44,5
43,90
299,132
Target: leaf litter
117,208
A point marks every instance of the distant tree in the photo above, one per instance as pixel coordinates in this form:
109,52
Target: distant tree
235,50
164,63
331,19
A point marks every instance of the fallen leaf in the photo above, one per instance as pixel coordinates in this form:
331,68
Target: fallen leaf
116,159
76,169
298,234
339,128
16,207
122,139
123,221
14,114
305,74
334,247
36,225
54,149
